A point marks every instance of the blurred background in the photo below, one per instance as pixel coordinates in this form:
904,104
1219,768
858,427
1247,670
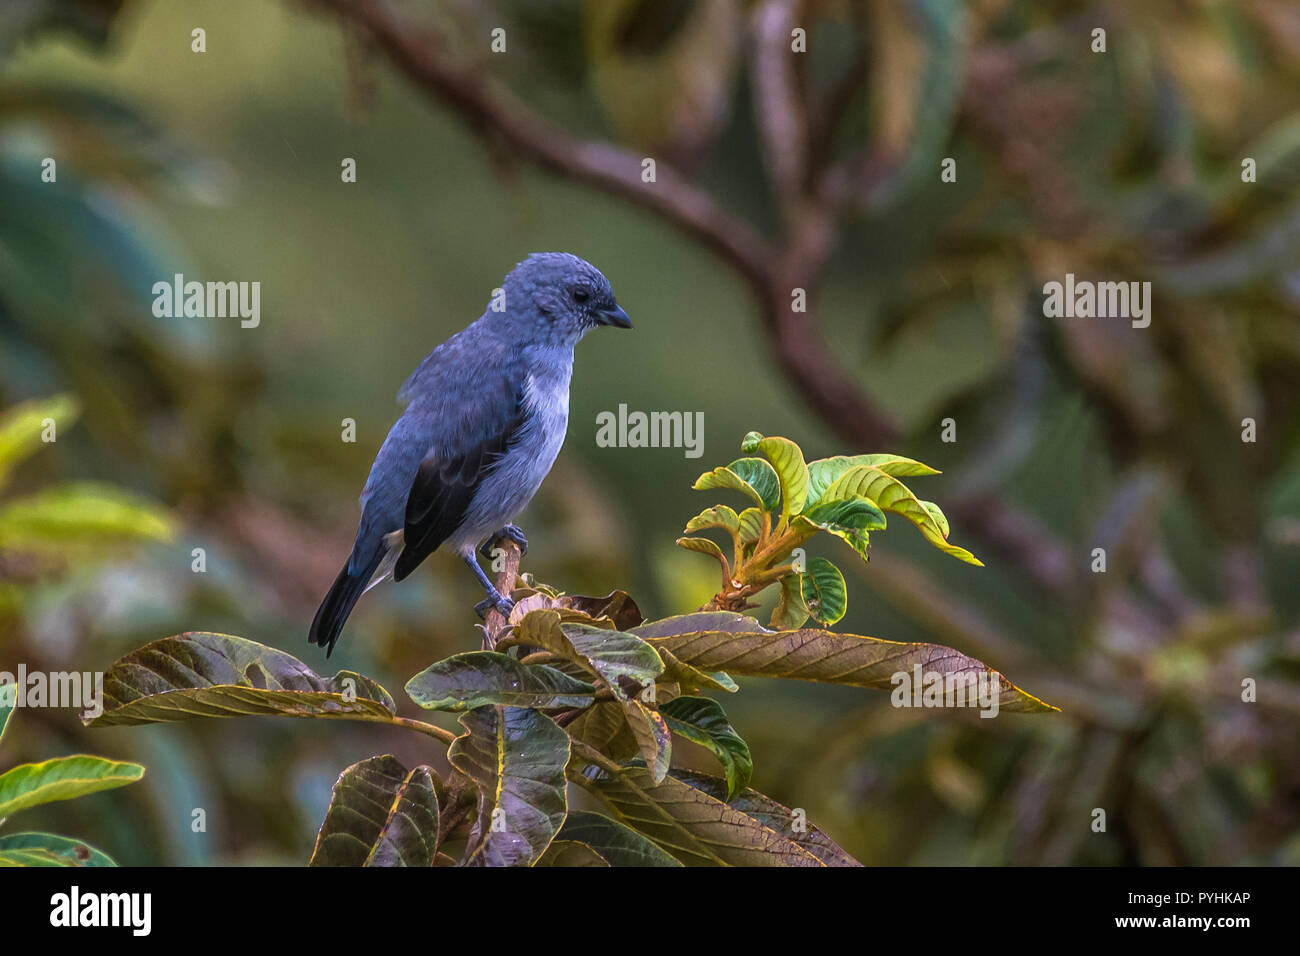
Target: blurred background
925,304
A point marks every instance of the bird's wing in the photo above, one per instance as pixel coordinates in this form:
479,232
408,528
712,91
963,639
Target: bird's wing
449,476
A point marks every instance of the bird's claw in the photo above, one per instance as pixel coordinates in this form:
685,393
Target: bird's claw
500,603
511,531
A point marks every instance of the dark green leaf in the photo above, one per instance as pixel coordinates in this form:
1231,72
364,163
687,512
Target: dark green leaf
704,722
380,814
517,757
617,844
478,678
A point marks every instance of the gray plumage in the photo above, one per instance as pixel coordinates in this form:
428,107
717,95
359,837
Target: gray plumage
486,414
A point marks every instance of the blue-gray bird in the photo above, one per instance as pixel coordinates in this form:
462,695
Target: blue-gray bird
486,414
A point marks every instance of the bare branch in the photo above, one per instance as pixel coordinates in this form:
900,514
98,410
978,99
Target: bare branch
778,110
419,54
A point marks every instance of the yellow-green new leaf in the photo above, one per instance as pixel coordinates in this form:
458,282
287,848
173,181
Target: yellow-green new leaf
22,428
890,494
63,778
81,513
750,476
719,516
787,459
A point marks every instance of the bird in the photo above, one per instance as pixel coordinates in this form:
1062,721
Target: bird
486,413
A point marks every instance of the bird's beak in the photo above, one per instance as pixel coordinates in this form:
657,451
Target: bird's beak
615,316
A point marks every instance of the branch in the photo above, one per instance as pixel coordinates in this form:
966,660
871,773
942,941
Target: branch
778,111
421,56
495,623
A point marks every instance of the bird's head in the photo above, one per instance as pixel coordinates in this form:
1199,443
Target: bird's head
560,297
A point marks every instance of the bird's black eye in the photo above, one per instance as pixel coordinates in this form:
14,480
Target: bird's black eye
580,295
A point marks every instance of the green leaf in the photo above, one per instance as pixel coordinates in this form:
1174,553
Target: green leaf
790,611
750,476
63,778
703,546
696,828
847,514
824,593
380,814
749,525
477,678
867,481
787,459
719,516
49,849
517,757
569,853
198,674
774,816
615,843
8,701
81,513
833,658
937,514
22,425
823,472
703,721
617,656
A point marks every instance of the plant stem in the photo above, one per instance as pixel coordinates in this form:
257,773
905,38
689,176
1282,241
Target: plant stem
429,730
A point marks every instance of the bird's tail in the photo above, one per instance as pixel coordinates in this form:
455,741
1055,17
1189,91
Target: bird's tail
342,597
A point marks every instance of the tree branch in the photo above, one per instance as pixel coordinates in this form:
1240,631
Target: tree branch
420,55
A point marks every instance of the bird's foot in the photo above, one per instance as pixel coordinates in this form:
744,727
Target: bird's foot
511,531
497,601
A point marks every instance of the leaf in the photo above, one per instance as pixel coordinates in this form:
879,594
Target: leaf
823,472
22,425
696,828
617,607
8,701
198,674
703,546
790,611
63,778
787,458
749,525
569,853
824,593
937,514
833,658
847,514
517,757
890,494
692,678
774,816
380,814
616,656
704,722
615,843
730,622
84,512
751,476
49,849
653,740
719,516
477,678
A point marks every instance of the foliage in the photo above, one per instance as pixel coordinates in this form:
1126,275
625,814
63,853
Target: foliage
63,778
793,500
578,690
